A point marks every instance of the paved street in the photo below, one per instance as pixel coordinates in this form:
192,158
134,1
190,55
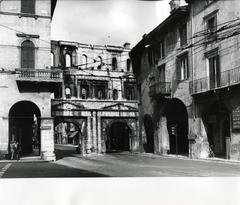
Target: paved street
70,164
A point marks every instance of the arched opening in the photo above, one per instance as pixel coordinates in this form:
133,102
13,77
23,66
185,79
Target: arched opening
68,93
217,122
115,94
118,137
28,55
177,125
128,65
66,133
84,61
52,59
148,125
99,60
24,127
114,63
68,61
100,94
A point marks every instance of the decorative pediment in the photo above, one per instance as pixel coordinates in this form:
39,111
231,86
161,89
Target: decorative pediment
119,106
68,106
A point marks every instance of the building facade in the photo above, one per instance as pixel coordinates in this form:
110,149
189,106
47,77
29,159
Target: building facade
98,98
26,77
187,73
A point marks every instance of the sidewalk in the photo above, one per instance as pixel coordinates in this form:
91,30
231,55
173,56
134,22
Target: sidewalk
24,159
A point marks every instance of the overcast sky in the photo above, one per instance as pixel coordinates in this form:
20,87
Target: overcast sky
107,22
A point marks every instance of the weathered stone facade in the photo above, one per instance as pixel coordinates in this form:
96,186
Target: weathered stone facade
24,34
192,82
96,95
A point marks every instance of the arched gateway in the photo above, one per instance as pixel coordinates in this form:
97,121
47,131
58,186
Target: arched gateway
24,124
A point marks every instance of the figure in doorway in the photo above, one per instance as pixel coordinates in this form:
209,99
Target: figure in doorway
12,149
18,150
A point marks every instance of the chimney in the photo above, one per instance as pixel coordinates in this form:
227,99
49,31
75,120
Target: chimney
126,45
174,4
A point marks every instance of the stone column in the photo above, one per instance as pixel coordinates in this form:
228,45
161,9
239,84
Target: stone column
99,137
89,136
47,139
94,131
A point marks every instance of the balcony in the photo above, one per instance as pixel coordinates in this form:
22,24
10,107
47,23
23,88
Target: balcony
160,88
226,78
52,76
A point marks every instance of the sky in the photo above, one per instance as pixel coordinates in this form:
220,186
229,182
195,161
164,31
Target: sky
107,21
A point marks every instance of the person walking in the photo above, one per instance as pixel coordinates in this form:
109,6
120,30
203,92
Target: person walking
12,149
18,150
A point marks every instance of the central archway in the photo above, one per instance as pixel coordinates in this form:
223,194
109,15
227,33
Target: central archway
177,125
118,137
24,127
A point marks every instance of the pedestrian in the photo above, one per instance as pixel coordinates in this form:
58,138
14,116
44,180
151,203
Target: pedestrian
18,150
12,149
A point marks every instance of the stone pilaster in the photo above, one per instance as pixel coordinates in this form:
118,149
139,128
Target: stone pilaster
89,136
99,138
47,139
94,131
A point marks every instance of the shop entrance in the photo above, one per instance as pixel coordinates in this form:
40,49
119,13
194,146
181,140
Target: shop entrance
118,137
177,125
24,127
218,128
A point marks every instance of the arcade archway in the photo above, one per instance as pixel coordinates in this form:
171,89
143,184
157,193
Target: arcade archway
177,125
24,127
118,137
217,122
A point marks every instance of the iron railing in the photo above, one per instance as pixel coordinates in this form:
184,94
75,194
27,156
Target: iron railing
226,78
160,88
39,75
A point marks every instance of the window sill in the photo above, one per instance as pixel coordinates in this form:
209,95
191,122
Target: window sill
28,15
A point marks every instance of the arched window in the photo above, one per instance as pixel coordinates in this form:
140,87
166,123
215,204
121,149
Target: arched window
100,94
114,63
84,60
68,60
68,92
52,59
28,6
99,60
115,94
128,64
84,93
27,54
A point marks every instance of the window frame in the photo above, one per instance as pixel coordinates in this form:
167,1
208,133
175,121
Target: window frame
182,71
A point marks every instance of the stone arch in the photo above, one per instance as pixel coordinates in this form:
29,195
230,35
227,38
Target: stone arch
177,125
24,126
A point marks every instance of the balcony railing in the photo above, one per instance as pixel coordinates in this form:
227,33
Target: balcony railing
226,78
39,75
160,88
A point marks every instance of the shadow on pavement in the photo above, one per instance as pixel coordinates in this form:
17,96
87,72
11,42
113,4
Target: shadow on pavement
46,170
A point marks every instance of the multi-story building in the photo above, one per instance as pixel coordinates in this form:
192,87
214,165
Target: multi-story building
26,77
162,66
197,45
216,75
96,107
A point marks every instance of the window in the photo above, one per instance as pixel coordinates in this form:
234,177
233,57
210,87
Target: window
99,60
128,64
114,63
68,60
212,24
28,6
161,50
52,59
84,61
183,34
182,67
115,94
68,93
100,94
214,71
161,70
84,93
27,54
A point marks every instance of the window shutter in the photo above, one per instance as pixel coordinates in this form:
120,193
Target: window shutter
27,55
28,6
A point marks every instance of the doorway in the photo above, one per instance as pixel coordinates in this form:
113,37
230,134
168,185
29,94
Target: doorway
24,127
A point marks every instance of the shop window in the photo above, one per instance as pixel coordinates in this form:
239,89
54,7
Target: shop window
27,54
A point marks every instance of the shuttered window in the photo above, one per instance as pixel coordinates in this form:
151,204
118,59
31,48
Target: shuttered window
27,54
28,6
